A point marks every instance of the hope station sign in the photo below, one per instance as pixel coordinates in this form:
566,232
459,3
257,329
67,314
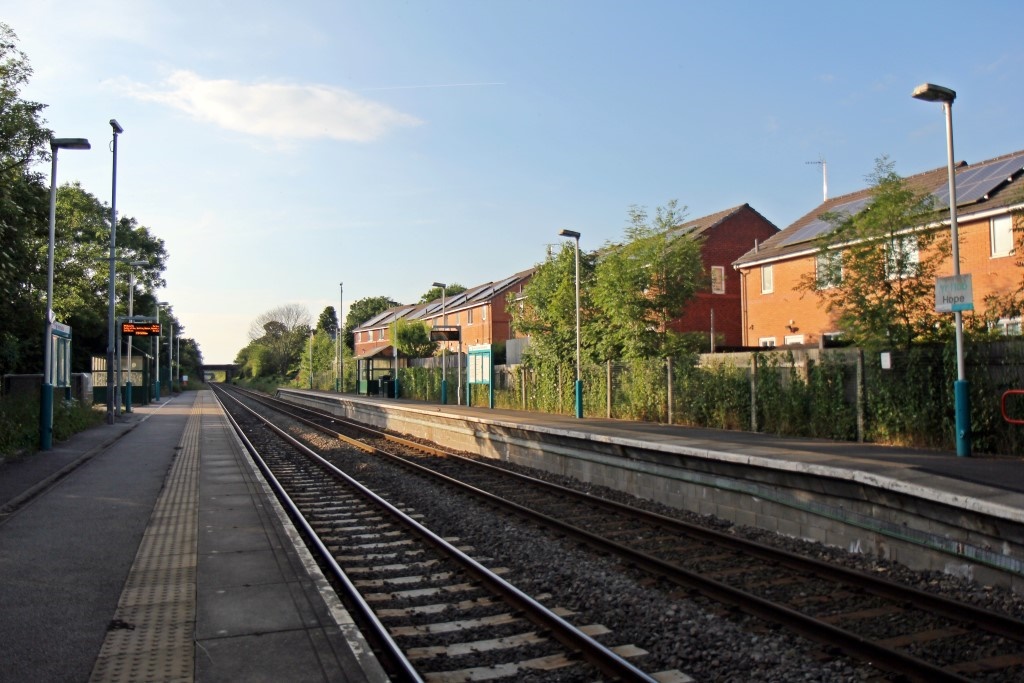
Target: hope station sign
954,293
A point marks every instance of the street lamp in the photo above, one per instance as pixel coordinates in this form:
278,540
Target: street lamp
131,341
579,381
159,305
111,337
444,348
46,393
961,395
341,368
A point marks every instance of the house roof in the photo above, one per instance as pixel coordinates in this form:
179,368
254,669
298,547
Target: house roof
991,184
705,223
467,299
378,352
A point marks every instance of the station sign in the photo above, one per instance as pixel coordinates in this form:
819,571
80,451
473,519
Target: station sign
954,293
133,328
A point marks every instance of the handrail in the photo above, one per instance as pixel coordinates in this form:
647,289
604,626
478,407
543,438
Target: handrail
1011,392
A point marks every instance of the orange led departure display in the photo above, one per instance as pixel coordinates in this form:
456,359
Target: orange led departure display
140,329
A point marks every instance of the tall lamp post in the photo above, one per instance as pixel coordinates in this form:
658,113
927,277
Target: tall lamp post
46,393
444,348
961,394
170,357
111,336
131,342
579,380
159,305
341,368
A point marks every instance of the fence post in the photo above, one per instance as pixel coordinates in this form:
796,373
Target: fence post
608,388
753,392
669,366
861,395
522,385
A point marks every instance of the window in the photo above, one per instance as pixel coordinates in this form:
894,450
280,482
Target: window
766,342
1008,326
902,258
828,269
1001,229
483,314
718,279
469,317
792,339
767,284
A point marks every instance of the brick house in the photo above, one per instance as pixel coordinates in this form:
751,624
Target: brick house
480,311
777,312
725,236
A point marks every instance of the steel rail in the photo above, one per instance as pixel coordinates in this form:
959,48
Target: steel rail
594,652
810,627
397,657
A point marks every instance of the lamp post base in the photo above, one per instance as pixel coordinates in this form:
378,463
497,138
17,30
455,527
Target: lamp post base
46,417
579,398
444,392
962,403
127,397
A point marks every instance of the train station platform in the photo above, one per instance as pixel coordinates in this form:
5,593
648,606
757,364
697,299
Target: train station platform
151,550
927,509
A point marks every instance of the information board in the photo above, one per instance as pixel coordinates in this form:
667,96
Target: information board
140,329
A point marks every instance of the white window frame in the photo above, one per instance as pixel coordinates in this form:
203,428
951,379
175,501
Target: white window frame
469,316
766,342
1011,327
793,339
1000,233
767,279
912,253
718,279
483,314
824,270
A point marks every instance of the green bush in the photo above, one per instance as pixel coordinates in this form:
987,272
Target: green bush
19,422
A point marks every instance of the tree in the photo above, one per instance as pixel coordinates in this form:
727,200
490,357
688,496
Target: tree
876,269
413,338
328,322
24,212
646,283
362,310
434,293
283,318
23,137
81,290
546,309
277,352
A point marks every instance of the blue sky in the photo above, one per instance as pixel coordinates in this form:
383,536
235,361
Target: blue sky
282,148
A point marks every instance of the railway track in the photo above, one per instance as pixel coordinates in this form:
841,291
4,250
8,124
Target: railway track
432,612
913,633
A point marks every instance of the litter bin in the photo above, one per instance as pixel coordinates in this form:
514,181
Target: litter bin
385,386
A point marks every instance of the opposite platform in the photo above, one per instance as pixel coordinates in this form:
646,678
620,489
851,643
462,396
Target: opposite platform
926,509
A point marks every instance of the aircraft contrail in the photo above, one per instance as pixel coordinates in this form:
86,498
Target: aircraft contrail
423,87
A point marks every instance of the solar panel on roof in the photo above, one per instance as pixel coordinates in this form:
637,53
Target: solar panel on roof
973,183
819,227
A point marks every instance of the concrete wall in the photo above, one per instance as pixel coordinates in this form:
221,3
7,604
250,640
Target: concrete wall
846,513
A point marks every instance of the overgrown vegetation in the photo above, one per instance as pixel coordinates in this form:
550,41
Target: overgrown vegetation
19,423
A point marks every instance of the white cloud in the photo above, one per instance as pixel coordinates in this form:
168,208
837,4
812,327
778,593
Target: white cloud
273,110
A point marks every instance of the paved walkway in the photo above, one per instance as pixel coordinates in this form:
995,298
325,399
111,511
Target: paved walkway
157,555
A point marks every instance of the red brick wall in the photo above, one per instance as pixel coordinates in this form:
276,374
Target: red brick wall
767,315
723,244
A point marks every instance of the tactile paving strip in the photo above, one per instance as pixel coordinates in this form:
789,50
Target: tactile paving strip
151,637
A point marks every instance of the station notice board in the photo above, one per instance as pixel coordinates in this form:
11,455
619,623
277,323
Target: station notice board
134,329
